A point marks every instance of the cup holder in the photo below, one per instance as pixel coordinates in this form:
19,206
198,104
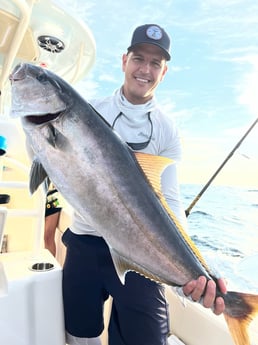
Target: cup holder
42,266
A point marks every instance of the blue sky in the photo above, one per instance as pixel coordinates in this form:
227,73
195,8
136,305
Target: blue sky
211,88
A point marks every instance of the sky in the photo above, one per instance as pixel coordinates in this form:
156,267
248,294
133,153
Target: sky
211,87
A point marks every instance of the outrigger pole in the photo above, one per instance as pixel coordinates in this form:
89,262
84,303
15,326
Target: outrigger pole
189,208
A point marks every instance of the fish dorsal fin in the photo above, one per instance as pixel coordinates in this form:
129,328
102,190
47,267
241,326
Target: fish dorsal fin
37,175
124,265
153,166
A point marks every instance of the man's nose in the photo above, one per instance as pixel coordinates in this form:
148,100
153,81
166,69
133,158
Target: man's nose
145,67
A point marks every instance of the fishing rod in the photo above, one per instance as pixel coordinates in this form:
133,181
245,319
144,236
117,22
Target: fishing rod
189,208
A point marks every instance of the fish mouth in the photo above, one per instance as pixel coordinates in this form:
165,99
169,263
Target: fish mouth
41,119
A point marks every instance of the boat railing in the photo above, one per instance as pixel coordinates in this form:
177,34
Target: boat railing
22,25
35,209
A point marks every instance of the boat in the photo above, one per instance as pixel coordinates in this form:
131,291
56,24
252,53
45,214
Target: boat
42,32
31,310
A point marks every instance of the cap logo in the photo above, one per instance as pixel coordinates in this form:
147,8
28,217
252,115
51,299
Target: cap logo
154,32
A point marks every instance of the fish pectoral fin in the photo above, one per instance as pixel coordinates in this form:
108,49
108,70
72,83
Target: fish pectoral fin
124,265
37,175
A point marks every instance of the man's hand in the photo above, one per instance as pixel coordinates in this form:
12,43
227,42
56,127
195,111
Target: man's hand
200,288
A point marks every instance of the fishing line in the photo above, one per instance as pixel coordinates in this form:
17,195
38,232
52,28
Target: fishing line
189,208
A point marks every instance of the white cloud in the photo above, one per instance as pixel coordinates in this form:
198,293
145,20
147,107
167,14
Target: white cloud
87,88
249,86
108,77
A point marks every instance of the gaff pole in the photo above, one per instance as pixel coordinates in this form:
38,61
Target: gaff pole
189,208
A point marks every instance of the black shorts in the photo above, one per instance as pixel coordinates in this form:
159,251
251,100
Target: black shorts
139,312
52,203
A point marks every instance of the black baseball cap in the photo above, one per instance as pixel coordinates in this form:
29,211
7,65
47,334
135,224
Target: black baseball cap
151,34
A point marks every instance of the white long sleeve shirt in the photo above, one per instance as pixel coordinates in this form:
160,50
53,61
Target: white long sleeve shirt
134,126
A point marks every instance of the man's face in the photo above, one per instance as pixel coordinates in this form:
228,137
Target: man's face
144,68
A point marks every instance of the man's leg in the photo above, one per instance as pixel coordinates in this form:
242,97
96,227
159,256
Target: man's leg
139,313
83,291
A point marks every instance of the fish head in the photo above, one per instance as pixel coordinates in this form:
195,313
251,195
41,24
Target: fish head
43,101
58,125
36,92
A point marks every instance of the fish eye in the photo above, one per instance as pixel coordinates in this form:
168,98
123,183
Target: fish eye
41,77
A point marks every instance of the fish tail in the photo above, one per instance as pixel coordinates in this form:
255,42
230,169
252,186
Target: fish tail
241,309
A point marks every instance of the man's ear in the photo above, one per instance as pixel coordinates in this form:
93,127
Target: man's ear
124,61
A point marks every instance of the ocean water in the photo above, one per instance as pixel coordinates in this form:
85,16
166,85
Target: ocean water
224,226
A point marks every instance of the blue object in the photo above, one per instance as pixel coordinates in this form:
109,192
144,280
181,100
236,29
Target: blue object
3,145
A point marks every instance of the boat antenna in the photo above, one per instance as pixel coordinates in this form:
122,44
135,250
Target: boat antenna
196,199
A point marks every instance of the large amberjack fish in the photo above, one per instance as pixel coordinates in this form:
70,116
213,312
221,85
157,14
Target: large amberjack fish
119,190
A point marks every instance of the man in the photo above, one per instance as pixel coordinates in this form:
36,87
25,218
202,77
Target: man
139,311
